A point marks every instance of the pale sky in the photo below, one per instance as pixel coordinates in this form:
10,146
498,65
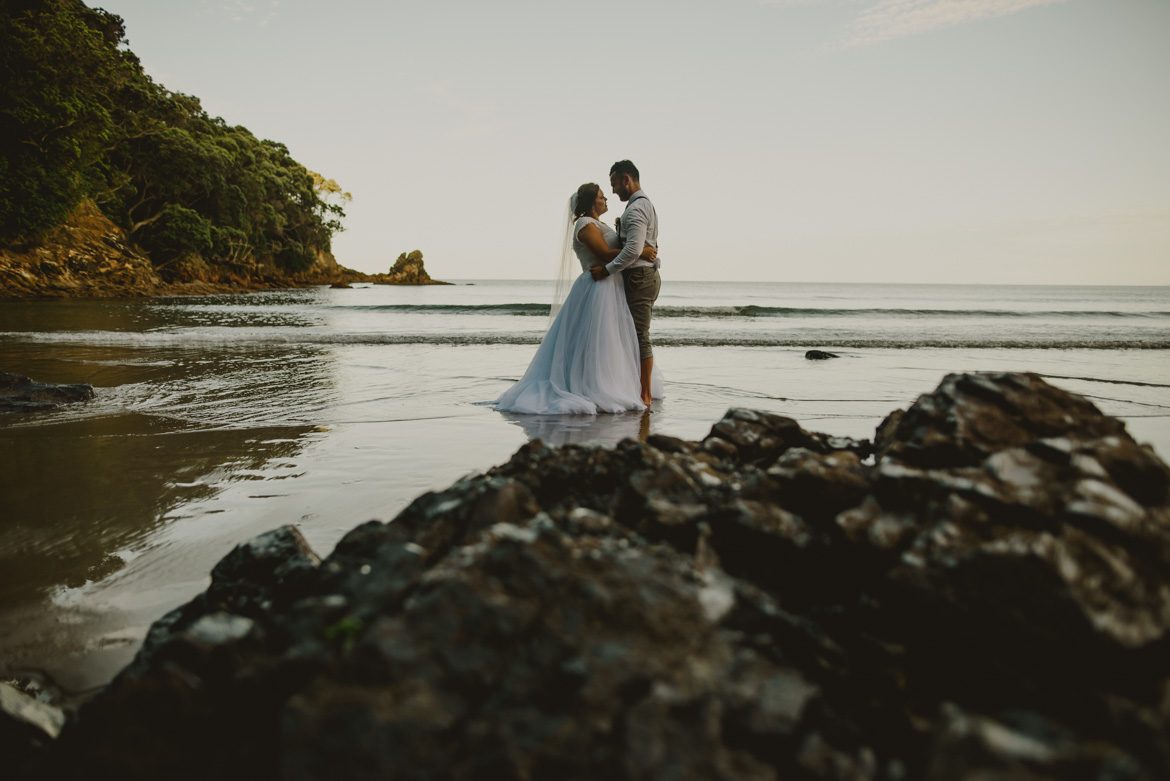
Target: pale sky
989,141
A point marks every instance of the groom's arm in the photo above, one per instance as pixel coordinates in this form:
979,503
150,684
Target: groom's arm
635,232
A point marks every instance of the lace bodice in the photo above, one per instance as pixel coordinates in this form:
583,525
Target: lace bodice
585,255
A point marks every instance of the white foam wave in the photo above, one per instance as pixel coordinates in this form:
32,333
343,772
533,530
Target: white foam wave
256,338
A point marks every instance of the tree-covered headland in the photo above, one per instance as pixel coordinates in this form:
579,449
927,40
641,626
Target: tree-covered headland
80,119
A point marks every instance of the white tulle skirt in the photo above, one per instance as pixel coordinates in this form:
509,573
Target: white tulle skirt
588,361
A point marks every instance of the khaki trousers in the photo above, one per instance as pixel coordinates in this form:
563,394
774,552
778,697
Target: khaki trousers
643,284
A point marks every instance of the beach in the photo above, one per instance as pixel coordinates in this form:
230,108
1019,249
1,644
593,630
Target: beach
221,417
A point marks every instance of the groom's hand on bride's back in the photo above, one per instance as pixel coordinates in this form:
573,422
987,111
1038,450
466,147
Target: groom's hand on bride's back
599,273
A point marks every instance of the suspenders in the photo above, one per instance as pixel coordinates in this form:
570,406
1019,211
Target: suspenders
630,203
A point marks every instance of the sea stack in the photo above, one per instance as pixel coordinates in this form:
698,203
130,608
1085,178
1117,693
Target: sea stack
408,269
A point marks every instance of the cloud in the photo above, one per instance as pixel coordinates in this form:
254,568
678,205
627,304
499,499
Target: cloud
883,20
259,11
888,19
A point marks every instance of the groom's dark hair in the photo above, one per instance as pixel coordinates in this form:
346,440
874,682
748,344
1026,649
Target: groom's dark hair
625,167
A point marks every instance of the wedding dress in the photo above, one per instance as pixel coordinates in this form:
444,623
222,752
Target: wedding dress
588,361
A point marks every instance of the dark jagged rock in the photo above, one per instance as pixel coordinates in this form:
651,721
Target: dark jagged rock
760,437
971,416
989,597
820,355
27,727
341,286
20,394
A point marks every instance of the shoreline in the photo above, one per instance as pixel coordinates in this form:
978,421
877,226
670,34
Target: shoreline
195,290
198,288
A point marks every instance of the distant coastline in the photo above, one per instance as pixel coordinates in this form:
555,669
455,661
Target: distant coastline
88,256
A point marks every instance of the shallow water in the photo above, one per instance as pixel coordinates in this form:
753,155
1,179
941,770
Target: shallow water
218,418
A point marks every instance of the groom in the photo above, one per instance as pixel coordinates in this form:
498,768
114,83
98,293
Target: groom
637,228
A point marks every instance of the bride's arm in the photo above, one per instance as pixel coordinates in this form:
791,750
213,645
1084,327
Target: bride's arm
591,237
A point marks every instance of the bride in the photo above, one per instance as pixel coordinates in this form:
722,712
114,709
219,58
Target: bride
588,361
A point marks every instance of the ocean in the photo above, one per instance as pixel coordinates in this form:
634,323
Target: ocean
220,417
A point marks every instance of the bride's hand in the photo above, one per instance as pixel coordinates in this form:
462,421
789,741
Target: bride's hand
649,253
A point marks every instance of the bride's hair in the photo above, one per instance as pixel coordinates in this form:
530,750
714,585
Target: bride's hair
583,200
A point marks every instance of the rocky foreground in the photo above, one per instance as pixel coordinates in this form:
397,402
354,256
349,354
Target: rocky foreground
982,593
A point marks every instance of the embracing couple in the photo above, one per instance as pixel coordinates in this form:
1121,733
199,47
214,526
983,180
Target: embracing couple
596,355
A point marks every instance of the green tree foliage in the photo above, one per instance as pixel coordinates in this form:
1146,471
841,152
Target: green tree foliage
80,118
55,68
179,231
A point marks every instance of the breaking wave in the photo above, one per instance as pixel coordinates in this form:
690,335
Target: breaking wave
754,311
242,337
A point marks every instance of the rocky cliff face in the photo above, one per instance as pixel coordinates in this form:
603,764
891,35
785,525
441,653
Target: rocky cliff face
89,256
984,593
86,256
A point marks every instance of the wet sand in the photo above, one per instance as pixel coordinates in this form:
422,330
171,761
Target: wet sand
113,513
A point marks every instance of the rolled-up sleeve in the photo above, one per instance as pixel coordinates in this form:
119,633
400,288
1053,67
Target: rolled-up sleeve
634,224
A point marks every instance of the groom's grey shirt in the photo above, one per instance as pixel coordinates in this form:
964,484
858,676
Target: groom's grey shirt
639,228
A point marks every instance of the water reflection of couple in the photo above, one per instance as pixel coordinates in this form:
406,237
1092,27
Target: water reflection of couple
597,355
607,430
